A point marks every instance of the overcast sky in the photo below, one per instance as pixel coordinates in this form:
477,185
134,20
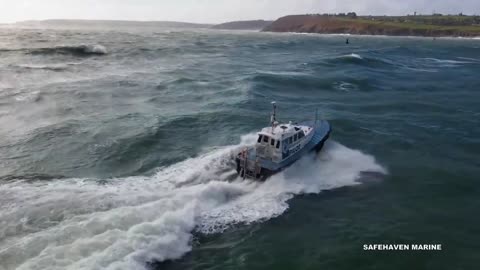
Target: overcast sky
214,11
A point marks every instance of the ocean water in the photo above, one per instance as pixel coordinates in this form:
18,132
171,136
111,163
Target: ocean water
116,145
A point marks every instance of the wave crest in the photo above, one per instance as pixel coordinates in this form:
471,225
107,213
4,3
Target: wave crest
53,67
79,50
83,50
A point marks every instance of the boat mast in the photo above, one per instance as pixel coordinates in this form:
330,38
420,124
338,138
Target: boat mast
273,117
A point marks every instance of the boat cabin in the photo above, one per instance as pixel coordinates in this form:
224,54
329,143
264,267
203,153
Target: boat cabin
280,145
280,141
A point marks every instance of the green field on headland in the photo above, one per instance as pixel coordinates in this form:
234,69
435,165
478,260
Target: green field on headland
419,25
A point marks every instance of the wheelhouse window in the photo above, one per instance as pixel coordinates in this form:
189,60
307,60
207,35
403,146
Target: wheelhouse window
278,145
301,134
295,137
265,139
259,138
290,140
272,142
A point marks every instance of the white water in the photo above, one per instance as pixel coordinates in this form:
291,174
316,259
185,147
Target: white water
98,49
124,223
447,62
353,55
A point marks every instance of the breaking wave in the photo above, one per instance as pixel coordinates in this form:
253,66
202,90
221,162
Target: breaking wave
126,223
356,59
353,56
83,50
80,50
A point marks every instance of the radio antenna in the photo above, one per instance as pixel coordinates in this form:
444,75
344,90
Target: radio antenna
273,117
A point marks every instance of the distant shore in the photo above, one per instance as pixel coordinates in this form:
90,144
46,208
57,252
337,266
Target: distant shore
243,25
412,25
424,26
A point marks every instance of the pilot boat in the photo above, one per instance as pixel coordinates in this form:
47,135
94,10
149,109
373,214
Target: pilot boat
279,146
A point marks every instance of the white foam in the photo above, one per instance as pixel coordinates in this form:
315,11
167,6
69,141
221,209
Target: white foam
447,62
81,224
98,49
30,96
353,55
469,59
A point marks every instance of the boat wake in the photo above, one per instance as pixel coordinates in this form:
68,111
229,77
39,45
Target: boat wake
126,223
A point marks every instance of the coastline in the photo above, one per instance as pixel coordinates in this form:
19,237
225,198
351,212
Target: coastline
370,35
418,26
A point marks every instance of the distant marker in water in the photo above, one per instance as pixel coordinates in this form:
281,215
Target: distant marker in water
347,41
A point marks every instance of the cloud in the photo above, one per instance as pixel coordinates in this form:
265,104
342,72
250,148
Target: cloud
218,10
